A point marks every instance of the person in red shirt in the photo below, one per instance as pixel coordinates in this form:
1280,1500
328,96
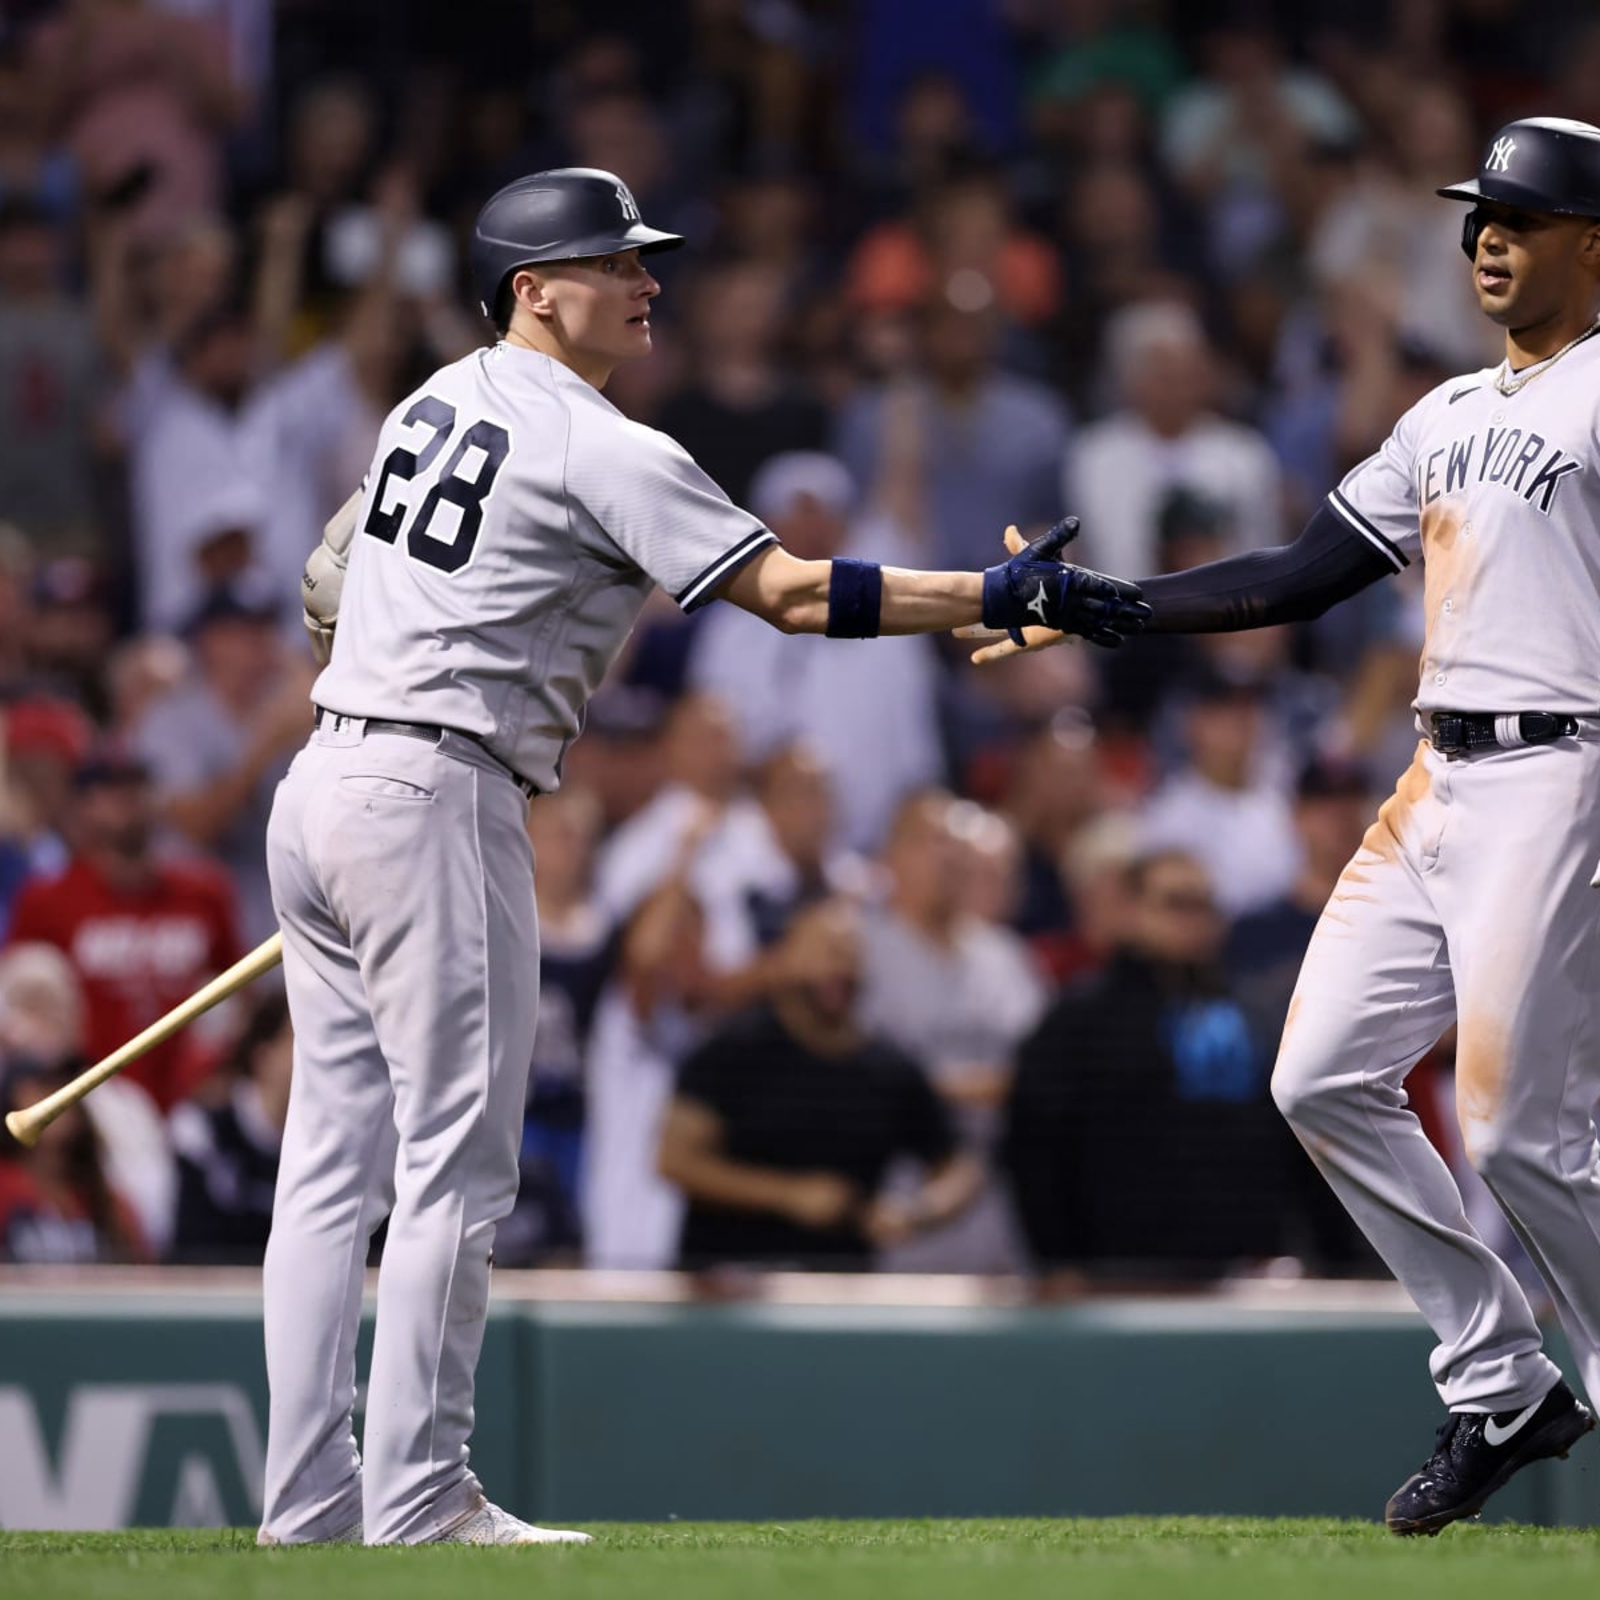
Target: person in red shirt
142,932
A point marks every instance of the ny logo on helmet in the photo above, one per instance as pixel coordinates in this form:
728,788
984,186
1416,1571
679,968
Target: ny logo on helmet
1500,156
630,208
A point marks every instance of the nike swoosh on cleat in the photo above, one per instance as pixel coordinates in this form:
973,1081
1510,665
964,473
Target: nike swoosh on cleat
1472,388
1494,1434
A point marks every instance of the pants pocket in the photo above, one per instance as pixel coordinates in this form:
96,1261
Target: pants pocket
379,786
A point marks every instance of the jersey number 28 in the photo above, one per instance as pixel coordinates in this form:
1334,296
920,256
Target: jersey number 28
465,494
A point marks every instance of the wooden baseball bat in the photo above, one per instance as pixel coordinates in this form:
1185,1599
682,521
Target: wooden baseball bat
27,1124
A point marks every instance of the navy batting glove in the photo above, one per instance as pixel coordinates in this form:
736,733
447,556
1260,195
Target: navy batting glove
1035,588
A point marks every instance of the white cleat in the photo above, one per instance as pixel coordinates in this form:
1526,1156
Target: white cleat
490,1525
353,1534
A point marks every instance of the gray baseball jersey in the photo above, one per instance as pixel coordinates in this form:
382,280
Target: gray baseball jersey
511,529
512,525
1468,901
1492,490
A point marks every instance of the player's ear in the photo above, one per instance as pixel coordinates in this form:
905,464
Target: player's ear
1591,246
530,290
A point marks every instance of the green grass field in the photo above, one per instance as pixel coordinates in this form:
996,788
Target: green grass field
1122,1559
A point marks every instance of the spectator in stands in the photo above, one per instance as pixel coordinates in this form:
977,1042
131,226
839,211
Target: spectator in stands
1094,868
1122,248
732,848
1334,802
330,148
992,442
1148,1069
1376,248
962,242
784,689
991,868
704,894
69,631
141,95
956,994
42,1013
17,564
228,1147
225,469
142,933
46,741
1217,807
1165,435
784,1125
56,1203
647,1021
1054,788
1240,137
33,171
52,384
795,793
742,404
217,745
577,951
228,449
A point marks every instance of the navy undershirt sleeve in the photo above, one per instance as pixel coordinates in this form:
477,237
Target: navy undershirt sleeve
1293,583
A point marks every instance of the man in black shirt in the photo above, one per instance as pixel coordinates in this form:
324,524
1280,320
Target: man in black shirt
785,1123
1140,1136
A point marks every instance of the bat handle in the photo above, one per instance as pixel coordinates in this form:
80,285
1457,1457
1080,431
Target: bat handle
26,1125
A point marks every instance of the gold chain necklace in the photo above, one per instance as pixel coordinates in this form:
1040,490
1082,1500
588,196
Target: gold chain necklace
1505,384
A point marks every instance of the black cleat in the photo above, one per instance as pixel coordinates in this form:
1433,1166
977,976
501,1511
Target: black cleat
1475,1454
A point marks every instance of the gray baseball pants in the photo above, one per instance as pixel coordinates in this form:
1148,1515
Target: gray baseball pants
1469,900
403,882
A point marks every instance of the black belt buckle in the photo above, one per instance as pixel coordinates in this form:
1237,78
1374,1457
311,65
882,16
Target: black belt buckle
1448,732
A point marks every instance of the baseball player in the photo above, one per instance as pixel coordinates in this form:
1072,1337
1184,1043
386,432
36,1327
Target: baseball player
1469,899
508,534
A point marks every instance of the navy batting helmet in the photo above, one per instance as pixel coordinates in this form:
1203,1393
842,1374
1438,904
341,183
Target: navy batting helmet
557,215
1538,164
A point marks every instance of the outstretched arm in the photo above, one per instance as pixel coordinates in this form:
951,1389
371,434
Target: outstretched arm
859,599
1296,582
1261,588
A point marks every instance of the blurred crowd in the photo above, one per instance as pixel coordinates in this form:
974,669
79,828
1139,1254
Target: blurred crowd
853,955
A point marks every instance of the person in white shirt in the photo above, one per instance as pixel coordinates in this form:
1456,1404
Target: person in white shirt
790,688
1118,473
1218,808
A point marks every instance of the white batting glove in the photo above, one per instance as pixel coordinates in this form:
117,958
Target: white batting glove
322,582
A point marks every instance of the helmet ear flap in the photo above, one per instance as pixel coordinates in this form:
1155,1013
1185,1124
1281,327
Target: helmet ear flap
1471,227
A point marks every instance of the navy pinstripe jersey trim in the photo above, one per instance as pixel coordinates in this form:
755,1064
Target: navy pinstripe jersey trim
698,590
1367,530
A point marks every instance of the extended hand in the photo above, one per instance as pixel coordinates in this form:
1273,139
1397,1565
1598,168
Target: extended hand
1127,612
1036,588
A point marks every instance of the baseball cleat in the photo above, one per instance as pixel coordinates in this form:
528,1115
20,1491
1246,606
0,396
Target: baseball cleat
351,1534
490,1525
1477,1453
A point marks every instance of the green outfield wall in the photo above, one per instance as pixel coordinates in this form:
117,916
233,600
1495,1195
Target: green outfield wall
124,1408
